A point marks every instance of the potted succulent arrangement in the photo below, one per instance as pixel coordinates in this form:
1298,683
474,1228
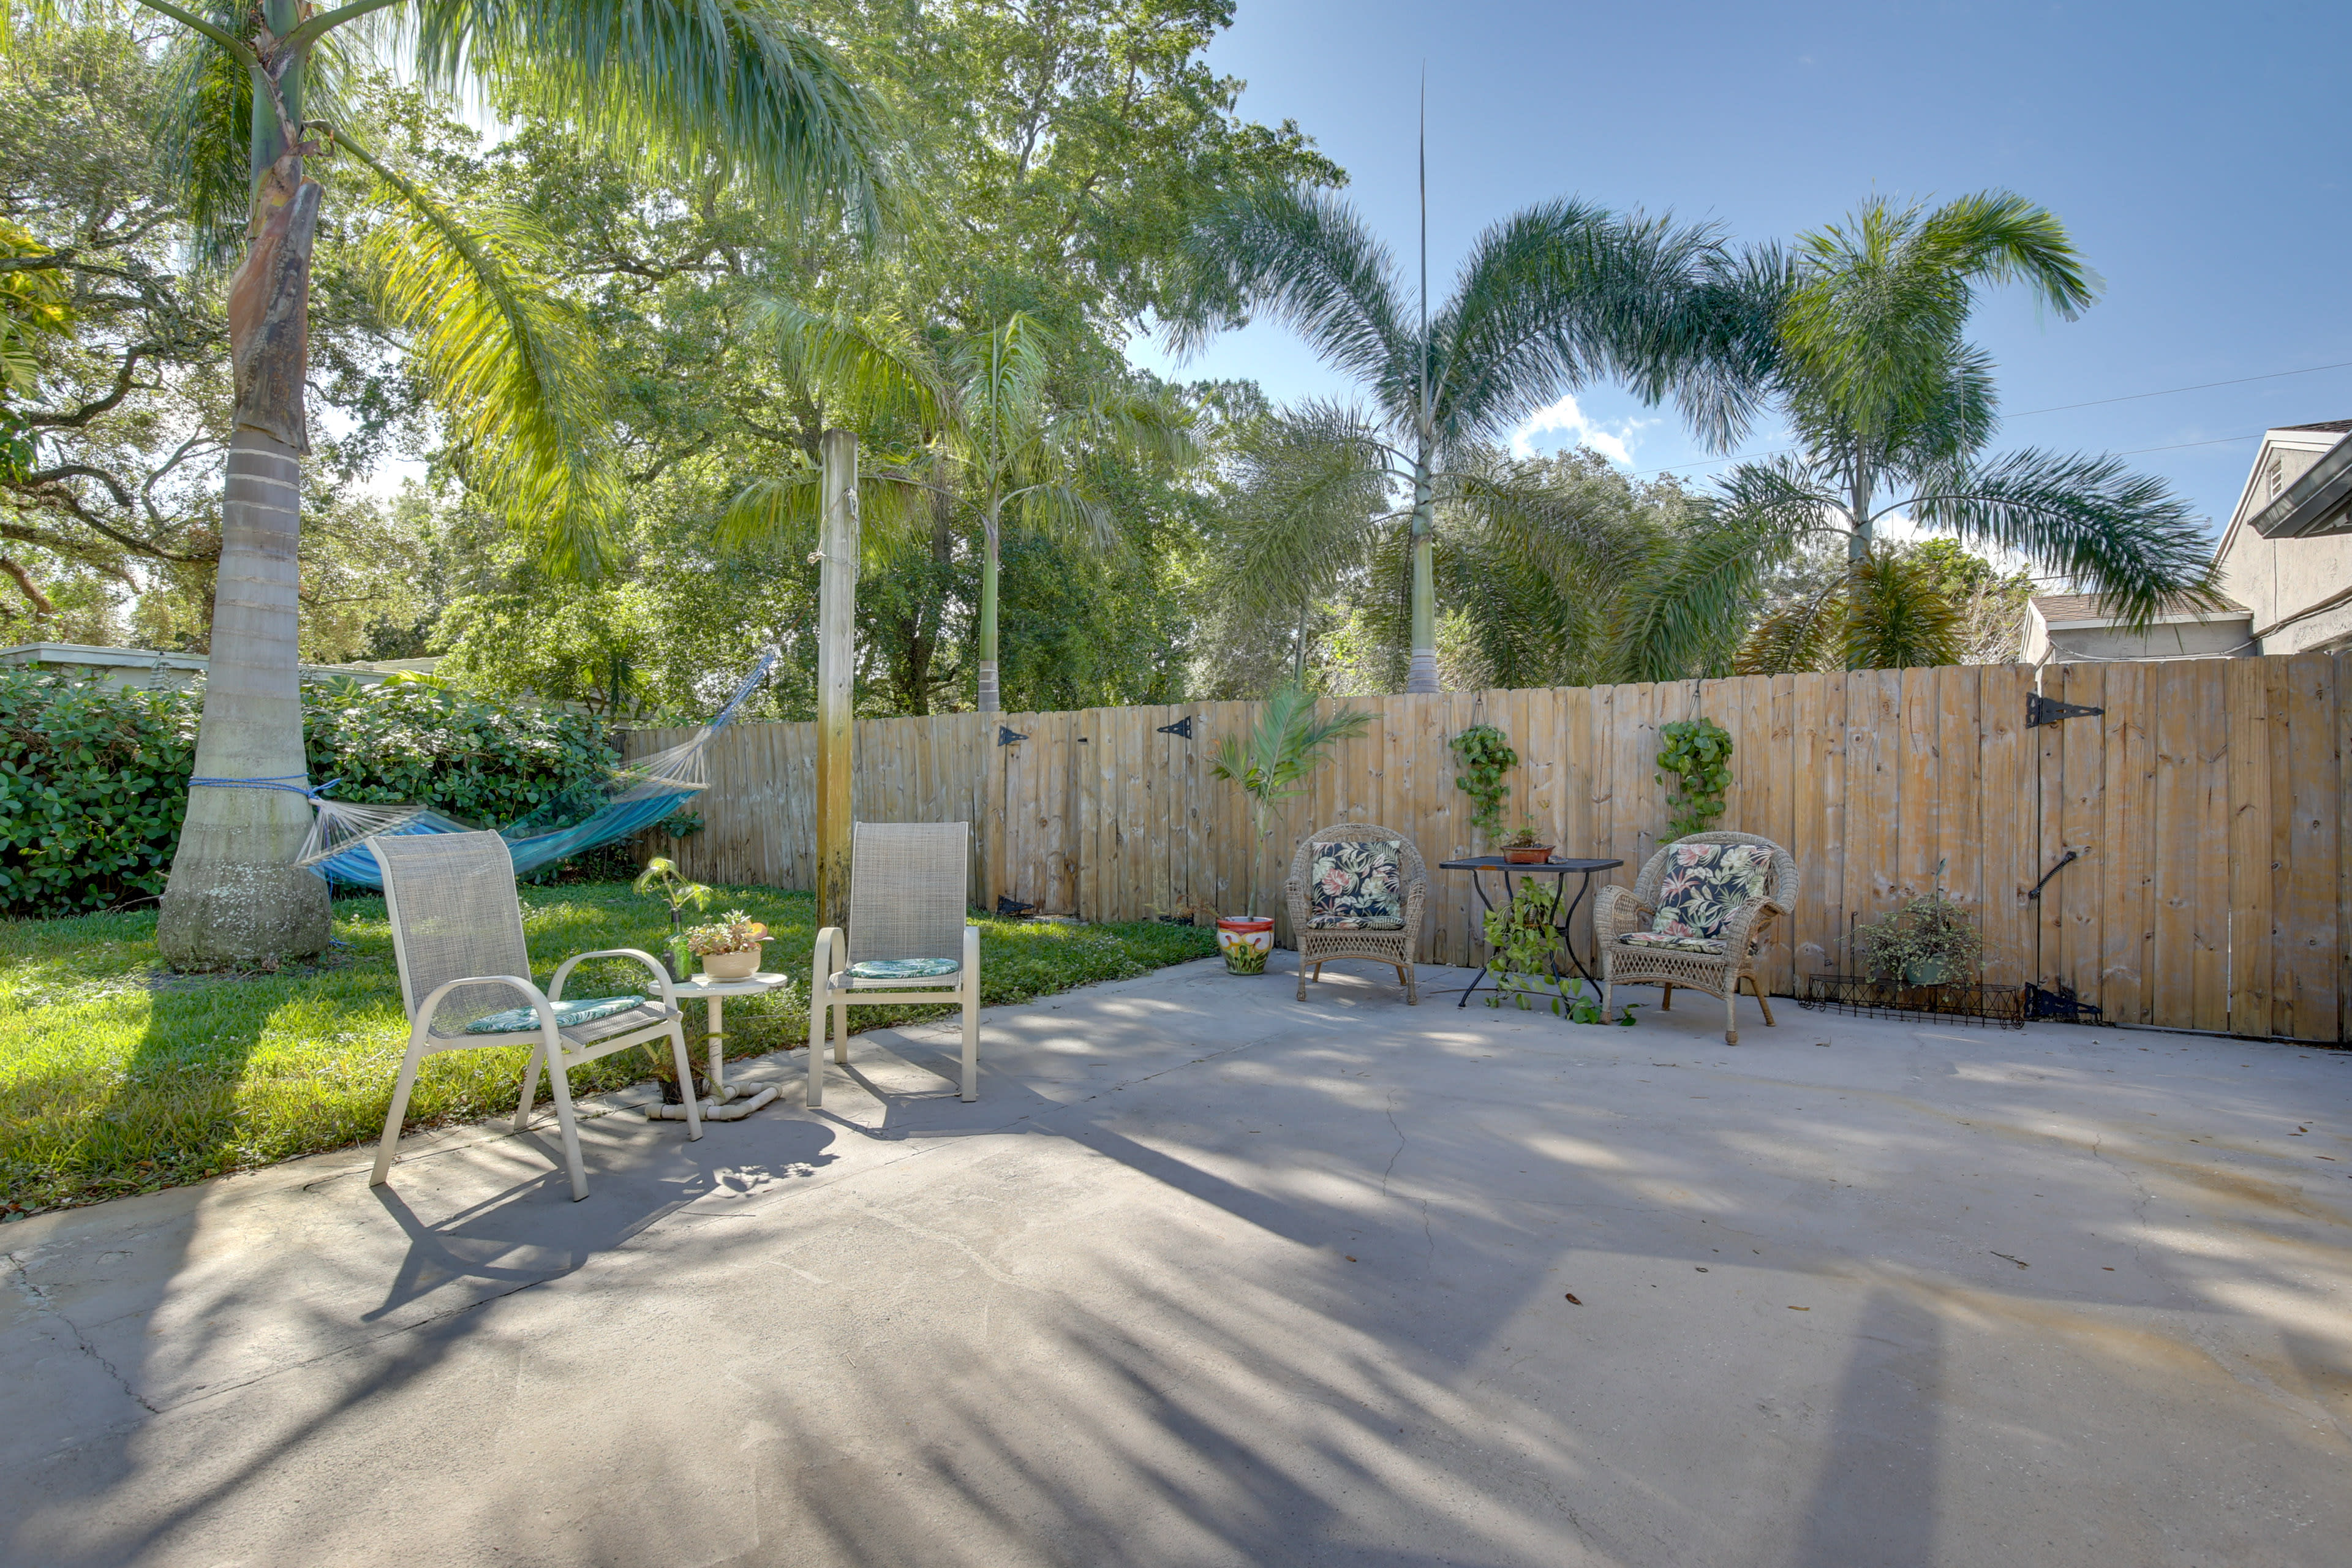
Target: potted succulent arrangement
662,880
1526,847
729,948
1272,762
1927,942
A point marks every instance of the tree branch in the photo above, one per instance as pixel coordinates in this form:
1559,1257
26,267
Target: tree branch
236,46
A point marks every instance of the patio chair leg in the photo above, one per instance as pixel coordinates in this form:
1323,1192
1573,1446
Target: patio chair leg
1731,1014
390,1143
1302,977
529,1089
684,1082
560,1080
1762,1001
1666,999
972,1044
841,1032
819,1013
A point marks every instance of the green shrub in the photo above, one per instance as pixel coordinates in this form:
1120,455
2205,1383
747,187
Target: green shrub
94,778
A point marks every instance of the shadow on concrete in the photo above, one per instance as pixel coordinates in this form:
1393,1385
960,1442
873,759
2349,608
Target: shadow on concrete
1874,1505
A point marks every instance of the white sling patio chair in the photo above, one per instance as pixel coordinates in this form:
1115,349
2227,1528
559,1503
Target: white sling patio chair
457,935
907,940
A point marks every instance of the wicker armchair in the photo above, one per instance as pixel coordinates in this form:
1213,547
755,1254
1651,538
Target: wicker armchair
1621,911
1391,945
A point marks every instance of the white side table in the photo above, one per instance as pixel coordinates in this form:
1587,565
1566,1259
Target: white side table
725,1102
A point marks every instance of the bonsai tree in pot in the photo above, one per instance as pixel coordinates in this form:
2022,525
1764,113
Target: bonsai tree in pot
1272,762
1526,847
1927,942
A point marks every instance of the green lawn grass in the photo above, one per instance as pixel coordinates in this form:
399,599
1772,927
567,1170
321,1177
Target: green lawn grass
117,1076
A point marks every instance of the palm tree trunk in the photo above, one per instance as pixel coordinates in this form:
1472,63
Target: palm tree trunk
988,618
1423,674
236,897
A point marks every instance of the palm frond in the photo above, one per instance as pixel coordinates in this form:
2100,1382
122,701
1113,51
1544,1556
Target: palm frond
1897,616
512,369
678,85
2123,536
1791,640
869,368
1305,257
1311,481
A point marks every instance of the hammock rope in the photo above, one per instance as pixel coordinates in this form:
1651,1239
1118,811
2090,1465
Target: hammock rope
639,794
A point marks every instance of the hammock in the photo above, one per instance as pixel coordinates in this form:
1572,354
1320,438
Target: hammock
641,794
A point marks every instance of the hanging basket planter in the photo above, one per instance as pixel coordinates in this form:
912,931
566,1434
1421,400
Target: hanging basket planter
1245,940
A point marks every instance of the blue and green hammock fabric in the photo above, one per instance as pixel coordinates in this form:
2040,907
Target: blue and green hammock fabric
641,794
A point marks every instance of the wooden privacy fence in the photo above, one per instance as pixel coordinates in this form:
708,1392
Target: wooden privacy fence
2209,887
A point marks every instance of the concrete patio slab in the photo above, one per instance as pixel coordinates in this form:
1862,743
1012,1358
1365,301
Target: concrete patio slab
1210,1276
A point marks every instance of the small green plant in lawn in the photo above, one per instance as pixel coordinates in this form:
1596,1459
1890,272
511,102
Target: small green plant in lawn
1485,755
118,1076
1522,937
1697,756
1926,941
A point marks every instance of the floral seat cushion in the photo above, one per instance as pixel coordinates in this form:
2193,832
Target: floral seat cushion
903,968
1677,943
1356,885
585,1010
1705,885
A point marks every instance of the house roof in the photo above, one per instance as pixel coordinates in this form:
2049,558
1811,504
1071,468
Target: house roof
2090,610
2340,427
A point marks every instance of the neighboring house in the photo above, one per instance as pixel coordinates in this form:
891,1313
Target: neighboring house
2287,553
157,671
2077,629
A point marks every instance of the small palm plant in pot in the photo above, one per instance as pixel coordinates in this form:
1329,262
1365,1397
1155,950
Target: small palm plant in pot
662,880
1271,762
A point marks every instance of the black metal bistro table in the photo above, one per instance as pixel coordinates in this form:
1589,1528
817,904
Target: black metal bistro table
1478,863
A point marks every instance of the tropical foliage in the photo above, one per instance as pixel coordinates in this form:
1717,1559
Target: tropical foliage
1894,411
1273,760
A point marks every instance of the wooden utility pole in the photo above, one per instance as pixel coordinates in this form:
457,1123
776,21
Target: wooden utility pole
836,666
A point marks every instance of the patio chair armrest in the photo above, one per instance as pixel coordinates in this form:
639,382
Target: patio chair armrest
827,959
1616,912
1415,895
1749,923
540,1001
659,971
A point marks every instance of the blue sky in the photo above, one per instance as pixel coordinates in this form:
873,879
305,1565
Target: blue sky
2196,152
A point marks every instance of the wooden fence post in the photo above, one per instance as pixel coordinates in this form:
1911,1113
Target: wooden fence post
836,668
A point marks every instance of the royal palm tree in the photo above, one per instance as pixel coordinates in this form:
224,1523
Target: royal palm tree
1893,410
1005,440
1548,301
737,88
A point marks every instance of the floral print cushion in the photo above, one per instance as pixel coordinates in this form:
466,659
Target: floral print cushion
903,968
1356,886
583,1010
1678,943
1705,884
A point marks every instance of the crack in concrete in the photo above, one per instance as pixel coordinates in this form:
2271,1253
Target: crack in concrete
41,1302
1388,1108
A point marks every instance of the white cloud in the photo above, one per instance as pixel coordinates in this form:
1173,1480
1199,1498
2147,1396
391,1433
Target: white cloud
1569,420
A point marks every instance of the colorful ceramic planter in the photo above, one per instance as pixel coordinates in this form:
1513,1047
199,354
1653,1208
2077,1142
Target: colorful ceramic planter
1246,940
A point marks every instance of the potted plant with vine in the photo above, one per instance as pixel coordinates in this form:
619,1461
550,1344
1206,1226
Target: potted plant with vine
1271,762
1926,941
1696,754
1521,938
661,878
728,947
1484,755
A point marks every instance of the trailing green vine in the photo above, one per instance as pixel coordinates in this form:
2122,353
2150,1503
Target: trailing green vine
1485,755
1698,755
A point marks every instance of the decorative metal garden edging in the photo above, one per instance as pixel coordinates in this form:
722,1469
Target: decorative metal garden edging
1867,997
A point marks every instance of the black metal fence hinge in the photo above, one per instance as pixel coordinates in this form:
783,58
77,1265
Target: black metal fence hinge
2041,710
1183,727
1006,737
